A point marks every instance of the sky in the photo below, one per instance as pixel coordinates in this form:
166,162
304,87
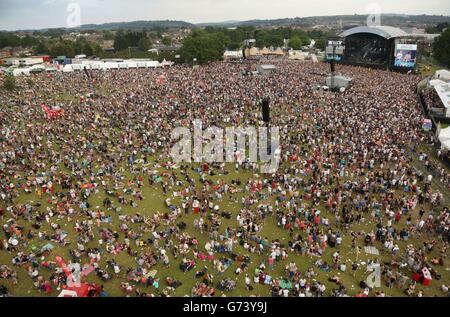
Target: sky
38,14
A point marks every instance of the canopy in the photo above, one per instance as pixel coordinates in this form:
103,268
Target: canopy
436,82
444,138
265,51
443,74
444,94
279,51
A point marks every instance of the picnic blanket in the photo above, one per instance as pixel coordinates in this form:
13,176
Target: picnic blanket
285,284
371,250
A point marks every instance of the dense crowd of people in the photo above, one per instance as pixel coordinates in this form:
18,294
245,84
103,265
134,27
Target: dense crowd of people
83,184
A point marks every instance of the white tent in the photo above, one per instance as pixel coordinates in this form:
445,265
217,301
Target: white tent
68,68
443,74
21,71
76,67
444,137
132,65
104,65
436,82
444,94
338,82
164,63
232,54
297,55
68,293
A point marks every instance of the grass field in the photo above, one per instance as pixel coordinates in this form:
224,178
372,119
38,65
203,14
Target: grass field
154,201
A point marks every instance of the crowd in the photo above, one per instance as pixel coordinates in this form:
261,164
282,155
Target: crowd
345,178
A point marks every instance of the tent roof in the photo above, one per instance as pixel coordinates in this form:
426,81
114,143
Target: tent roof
444,137
387,32
444,94
436,82
279,51
254,51
443,73
267,67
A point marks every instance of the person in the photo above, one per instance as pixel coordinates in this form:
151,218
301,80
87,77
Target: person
346,154
248,286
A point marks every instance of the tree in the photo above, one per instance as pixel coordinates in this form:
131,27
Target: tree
144,44
120,41
10,83
203,46
441,48
108,35
435,29
166,41
87,49
123,40
54,33
42,48
321,43
296,43
28,41
9,39
97,50
63,48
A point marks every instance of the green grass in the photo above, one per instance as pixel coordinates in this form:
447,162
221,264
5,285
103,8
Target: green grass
154,201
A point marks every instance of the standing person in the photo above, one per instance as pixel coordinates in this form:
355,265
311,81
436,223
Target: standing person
248,285
270,262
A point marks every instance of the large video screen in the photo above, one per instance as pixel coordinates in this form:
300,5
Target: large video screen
405,55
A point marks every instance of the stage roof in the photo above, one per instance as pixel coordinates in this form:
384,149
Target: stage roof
387,32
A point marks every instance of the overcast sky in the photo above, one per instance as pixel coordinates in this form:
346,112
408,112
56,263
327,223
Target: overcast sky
36,14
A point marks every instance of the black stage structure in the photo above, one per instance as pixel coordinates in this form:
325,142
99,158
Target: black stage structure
382,47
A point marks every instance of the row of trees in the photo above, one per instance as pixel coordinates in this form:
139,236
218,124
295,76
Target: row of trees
203,44
441,48
11,39
123,40
143,40
68,48
264,38
209,44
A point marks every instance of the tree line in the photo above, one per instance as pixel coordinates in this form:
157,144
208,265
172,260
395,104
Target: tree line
209,44
204,45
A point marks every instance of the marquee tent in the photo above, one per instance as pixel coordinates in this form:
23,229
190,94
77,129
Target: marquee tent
443,74
444,138
436,82
108,65
444,94
279,51
339,82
